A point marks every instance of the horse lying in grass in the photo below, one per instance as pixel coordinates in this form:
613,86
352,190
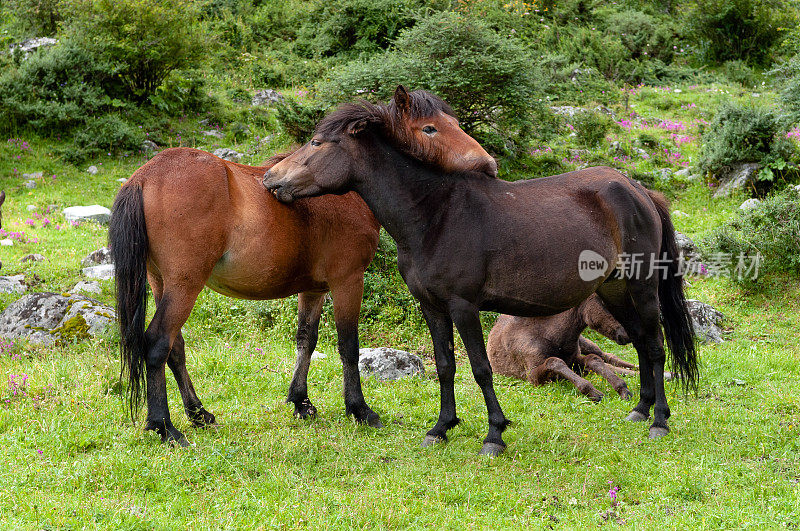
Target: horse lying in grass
187,219
542,349
468,242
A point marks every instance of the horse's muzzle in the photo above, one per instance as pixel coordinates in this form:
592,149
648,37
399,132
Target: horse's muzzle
279,189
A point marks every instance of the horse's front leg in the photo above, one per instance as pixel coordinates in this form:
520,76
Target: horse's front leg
309,309
467,320
346,306
441,328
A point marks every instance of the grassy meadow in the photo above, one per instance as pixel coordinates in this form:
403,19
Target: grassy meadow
70,458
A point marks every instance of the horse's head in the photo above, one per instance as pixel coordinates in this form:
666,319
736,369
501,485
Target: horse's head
418,124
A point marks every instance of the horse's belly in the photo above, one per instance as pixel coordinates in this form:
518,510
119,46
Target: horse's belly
260,284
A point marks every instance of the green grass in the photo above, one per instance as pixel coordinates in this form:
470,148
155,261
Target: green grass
71,459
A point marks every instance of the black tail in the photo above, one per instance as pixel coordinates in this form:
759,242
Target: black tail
675,318
127,239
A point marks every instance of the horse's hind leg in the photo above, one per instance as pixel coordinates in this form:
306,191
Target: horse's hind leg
595,364
172,311
346,306
177,363
590,347
555,368
309,309
191,402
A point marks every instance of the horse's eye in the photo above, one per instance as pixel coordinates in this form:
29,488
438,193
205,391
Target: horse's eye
429,129
316,143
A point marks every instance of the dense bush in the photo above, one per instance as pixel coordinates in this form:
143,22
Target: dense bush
299,119
140,41
771,229
591,128
725,30
747,134
790,95
36,17
490,80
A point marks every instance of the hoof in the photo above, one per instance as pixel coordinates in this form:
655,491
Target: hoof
431,440
305,410
635,416
374,421
201,418
656,432
492,449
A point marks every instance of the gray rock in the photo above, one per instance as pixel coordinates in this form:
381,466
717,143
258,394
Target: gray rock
30,208
6,242
148,146
680,214
750,204
266,97
96,213
98,257
641,152
46,318
737,177
92,170
100,272
30,185
32,258
15,284
684,173
29,46
389,364
90,286
35,175
663,174
707,321
215,134
122,180
228,154
567,110
687,247
316,355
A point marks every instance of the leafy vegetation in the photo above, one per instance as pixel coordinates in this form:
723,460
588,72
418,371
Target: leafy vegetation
656,101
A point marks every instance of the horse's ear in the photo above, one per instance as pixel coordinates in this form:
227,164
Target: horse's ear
357,127
402,98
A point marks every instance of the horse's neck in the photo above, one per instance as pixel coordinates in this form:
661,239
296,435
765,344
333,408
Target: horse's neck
404,196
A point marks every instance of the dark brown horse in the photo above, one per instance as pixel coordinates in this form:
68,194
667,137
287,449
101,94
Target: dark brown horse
469,242
542,349
188,219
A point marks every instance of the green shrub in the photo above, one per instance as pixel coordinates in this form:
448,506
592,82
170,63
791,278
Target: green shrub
490,80
36,17
726,30
108,133
299,119
772,229
739,72
141,41
747,134
55,90
591,128
790,95
642,35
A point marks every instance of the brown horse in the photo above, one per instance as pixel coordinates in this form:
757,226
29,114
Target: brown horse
468,242
187,219
542,349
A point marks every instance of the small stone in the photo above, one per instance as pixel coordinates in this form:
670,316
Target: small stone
6,242
215,134
680,214
737,177
389,364
641,152
228,154
737,381
706,321
96,213
684,173
35,175
90,286
30,185
266,96
318,355
122,180
101,272
567,110
98,257
750,204
677,91
14,284
92,170
32,258
30,208
148,146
